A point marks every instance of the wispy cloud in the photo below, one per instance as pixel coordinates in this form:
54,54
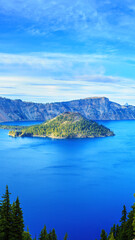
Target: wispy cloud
51,89
60,50
51,76
92,18
63,66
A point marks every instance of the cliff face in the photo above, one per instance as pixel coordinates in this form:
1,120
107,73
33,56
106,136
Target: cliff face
92,108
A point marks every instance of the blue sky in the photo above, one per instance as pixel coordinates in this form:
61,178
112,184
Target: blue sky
60,50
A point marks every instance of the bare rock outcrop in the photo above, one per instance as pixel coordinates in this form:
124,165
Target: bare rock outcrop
98,108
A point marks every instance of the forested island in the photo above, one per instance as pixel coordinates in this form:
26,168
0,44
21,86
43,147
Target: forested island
66,125
12,224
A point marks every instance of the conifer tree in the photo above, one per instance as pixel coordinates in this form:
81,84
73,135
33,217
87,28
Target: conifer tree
49,236
124,215
43,234
17,221
130,225
117,231
26,235
123,227
111,237
113,230
5,217
53,235
66,236
103,235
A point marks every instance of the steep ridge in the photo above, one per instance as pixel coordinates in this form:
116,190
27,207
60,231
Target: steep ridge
98,108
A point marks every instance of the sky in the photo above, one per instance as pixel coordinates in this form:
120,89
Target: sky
58,50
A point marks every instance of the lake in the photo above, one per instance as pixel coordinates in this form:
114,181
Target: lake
78,186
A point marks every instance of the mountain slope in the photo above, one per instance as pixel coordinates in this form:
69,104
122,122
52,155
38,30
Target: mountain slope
98,108
66,125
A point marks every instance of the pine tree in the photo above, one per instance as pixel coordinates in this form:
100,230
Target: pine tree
111,237
103,235
53,235
49,236
130,225
117,232
5,217
124,215
26,235
66,236
43,234
113,230
123,227
17,221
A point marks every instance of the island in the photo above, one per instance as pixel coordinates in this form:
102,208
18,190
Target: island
66,125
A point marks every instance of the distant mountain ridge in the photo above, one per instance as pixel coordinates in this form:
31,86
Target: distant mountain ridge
94,108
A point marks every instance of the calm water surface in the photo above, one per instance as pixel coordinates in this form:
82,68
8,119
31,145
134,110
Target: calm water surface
77,186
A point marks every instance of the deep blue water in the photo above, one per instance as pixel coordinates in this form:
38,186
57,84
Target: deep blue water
77,186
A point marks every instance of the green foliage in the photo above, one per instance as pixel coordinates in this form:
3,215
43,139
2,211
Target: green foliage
47,236
12,224
68,125
12,127
66,236
5,217
11,219
103,235
53,235
129,225
112,232
111,237
124,215
126,231
26,235
17,220
43,234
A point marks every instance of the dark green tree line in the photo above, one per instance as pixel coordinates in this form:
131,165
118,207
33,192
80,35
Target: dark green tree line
126,229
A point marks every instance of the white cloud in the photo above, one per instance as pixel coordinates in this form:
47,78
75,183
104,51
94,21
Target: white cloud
48,90
57,76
